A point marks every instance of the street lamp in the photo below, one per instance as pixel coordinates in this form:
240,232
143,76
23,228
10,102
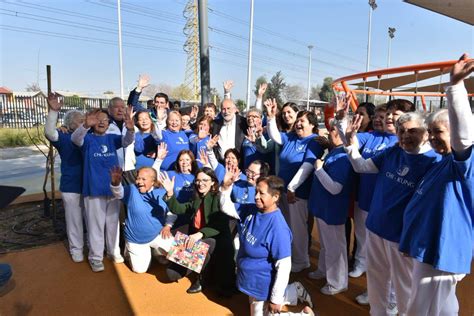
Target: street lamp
391,35
310,47
249,65
373,6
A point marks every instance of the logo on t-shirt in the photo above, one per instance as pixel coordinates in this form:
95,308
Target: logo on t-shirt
403,170
103,149
300,148
419,190
104,152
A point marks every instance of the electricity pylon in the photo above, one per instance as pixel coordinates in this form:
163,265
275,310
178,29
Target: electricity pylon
191,47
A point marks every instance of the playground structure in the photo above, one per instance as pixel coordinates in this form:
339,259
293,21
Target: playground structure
381,83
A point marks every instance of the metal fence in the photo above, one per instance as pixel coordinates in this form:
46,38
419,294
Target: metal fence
27,112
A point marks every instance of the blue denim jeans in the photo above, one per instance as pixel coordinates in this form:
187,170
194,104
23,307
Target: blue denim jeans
5,273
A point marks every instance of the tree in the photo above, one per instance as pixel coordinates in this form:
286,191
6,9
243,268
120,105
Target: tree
314,93
326,93
294,92
182,92
241,105
275,87
215,96
33,87
259,81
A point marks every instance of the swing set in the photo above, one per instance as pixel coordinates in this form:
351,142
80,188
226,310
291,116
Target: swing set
395,81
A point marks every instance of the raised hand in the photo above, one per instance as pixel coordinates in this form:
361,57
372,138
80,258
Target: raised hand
212,142
261,89
162,151
251,135
91,119
353,128
202,133
143,81
128,118
194,112
228,85
232,174
461,69
53,102
342,105
203,157
271,106
116,175
167,183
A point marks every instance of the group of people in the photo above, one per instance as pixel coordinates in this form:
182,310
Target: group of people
405,179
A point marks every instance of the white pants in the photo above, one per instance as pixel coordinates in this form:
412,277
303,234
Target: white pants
333,254
260,308
102,214
433,291
360,232
74,213
298,217
384,264
140,254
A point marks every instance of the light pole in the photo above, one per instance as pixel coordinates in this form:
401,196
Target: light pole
249,69
391,35
372,7
119,15
310,47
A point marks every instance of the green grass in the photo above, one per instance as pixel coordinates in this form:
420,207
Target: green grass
13,137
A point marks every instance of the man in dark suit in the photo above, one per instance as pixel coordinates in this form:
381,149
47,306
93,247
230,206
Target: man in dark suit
231,127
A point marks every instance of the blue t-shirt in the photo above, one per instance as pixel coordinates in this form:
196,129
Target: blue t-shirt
243,196
176,141
183,186
250,154
371,144
144,145
333,209
399,173
100,155
438,221
71,164
264,239
292,156
146,214
200,144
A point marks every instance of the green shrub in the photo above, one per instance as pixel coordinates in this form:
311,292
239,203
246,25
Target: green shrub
12,137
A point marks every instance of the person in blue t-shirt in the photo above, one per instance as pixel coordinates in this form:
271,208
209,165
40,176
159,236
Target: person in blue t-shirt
399,169
264,258
144,138
294,152
438,220
71,173
148,223
198,140
329,203
250,151
99,151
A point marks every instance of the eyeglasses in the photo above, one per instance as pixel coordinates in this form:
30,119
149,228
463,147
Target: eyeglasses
250,173
202,180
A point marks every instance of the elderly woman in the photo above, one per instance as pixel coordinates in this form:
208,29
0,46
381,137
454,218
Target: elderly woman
208,224
399,169
264,258
438,220
71,173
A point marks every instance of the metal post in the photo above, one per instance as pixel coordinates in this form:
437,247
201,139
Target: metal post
204,52
119,15
249,66
50,161
391,35
372,6
310,47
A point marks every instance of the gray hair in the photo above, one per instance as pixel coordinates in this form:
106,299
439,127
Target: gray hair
438,116
70,116
412,116
255,110
113,100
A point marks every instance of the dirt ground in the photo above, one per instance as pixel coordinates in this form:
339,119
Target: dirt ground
47,282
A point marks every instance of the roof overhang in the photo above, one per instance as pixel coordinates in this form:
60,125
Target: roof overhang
461,10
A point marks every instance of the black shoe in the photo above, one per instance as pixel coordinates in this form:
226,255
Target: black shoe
195,287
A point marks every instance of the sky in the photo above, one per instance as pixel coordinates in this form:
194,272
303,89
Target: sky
79,40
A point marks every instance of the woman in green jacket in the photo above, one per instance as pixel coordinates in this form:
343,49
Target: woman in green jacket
207,223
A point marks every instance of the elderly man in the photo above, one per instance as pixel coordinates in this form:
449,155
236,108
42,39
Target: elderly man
231,128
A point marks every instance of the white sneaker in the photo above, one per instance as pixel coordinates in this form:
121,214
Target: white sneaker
317,275
363,299
356,272
303,295
330,290
116,259
77,257
392,309
96,265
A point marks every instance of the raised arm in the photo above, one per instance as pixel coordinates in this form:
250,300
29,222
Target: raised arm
116,182
228,85
261,91
161,153
51,120
460,116
272,127
129,136
143,82
226,204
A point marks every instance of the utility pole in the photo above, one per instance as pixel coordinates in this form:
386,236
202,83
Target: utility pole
119,15
249,66
310,47
204,52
